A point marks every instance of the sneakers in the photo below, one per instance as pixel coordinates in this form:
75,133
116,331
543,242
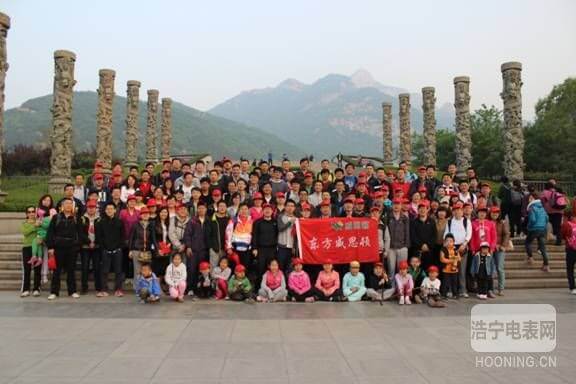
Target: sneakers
491,294
180,299
36,293
99,294
25,294
545,268
449,295
464,295
75,295
482,297
407,300
500,292
401,300
311,298
119,293
573,291
261,299
529,260
417,299
52,297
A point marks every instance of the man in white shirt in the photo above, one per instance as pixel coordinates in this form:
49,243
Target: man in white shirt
80,190
187,186
461,228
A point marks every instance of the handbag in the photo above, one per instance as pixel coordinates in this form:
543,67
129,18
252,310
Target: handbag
142,256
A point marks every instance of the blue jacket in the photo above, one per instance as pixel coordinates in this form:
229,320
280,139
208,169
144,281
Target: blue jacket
490,264
537,216
151,283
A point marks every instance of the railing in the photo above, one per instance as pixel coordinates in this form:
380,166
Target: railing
569,187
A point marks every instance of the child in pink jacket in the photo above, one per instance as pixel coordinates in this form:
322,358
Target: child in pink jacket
483,230
299,286
327,287
404,283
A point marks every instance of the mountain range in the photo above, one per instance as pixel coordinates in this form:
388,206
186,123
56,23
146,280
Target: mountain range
336,113
194,131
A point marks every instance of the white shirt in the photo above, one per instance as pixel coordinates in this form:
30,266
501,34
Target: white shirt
461,234
125,192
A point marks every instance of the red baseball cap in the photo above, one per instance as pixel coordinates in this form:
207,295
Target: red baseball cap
266,205
239,268
422,189
421,168
131,197
305,207
98,176
432,268
378,194
398,201
98,163
325,203
402,265
359,201
91,204
151,203
495,209
144,210
308,174
458,205
216,192
296,261
204,265
257,196
374,208
116,173
362,174
280,194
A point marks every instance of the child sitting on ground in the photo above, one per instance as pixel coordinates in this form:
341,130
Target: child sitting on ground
418,276
220,275
299,285
175,278
404,283
379,285
206,286
450,257
430,289
273,286
239,287
353,284
327,287
147,285
482,269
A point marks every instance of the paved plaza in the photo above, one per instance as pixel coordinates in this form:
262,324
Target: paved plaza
119,341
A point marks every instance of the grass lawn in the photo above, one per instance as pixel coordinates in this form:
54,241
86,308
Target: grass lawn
23,191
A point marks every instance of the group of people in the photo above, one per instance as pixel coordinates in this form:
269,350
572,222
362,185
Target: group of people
229,232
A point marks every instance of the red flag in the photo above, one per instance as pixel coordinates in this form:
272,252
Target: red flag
337,240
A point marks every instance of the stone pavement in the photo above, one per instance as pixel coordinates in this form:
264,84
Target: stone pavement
119,341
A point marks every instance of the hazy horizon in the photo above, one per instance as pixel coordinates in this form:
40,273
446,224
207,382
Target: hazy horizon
203,54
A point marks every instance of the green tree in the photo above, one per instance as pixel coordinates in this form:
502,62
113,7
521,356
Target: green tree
487,148
551,139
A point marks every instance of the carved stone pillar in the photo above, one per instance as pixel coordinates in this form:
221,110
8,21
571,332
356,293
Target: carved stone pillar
166,128
387,133
152,126
463,129
104,118
61,134
132,131
513,135
429,129
405,134
4,27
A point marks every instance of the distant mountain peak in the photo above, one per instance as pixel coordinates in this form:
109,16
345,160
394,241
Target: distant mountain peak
362,79
291,84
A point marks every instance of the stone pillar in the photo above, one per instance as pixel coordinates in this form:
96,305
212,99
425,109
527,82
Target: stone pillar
104,118
132,131
513,135
387,133
4,27
463,128
429,129
152,126
405,134
166,128
61,134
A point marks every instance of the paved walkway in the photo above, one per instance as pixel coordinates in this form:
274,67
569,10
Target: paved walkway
118,341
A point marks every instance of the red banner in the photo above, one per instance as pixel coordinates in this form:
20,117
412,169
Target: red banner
337,240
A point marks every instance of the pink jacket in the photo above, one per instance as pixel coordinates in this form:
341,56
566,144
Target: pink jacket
299,282
328,282
546,199
487,228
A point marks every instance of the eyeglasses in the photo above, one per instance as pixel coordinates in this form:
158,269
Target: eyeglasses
30,211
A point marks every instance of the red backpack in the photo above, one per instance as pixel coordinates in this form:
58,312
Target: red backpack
571,241
559,200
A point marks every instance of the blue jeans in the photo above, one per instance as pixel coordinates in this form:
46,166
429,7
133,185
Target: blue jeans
541,237
499,258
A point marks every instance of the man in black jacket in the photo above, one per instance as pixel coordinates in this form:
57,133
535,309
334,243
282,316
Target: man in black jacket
63,242
110,238
423,236
217,233
265,239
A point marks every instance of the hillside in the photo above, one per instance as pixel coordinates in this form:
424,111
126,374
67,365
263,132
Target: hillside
193,131
335,113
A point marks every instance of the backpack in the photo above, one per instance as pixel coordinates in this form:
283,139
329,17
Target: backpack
558,200
571,241
516,197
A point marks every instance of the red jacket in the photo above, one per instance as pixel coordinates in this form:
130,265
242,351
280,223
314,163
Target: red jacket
490,235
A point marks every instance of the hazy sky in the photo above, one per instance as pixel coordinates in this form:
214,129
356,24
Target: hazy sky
204,52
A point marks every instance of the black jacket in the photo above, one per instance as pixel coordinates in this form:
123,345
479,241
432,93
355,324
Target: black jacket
110,233
374,282
63,232
217,232
265,233
143,239
422,232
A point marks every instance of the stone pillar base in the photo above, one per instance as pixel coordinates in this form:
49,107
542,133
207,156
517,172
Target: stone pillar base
388,163
155,161
129,164
3,197
56,185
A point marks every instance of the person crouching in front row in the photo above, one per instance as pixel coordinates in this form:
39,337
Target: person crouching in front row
175,278
299,285
273,286
147,285
239,287
404,283
379,285
327,287
353,284
430,289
